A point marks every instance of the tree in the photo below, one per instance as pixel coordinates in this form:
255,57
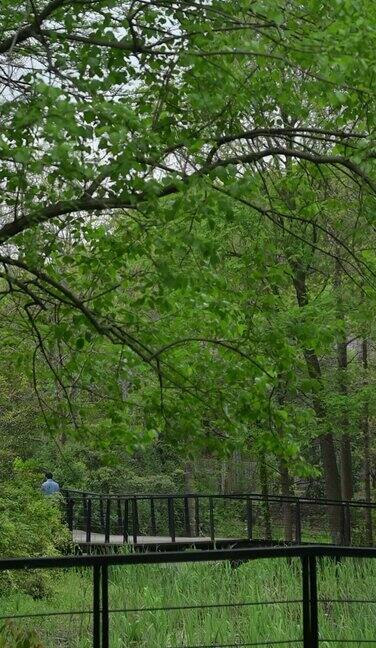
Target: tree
123,125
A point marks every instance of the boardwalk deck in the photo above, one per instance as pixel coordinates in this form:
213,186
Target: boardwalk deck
79,537
157,521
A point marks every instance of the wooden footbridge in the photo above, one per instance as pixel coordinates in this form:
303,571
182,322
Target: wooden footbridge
160,522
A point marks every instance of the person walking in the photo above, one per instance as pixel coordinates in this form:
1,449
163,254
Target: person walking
50,486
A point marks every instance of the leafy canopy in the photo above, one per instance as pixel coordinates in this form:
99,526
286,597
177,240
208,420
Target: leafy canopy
147,149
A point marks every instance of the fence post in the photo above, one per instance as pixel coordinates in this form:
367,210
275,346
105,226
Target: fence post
126,521
342,512
88,520
96,607
101,513
348,524
187,517
70,514
84,510
298,523
197,517
313,599
153,525
211,519
171,518
134,520
306,603
119,516
108,521
249,517
310,616
105,613
369,527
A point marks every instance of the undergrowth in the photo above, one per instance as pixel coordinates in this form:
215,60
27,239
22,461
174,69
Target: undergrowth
204,584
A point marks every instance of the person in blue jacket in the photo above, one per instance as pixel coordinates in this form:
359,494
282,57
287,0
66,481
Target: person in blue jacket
50,486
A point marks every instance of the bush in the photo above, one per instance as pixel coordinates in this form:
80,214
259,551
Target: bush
31,525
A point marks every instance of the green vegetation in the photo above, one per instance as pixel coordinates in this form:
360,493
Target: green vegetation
187,237
31,525
187,254
13,637
203,584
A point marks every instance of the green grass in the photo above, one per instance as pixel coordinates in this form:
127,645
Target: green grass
205,584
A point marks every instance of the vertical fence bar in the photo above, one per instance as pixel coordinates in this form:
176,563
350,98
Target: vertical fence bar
171,518
368,524
197,517
101,513
153,525
119,516
348,523
105,613
108,521
84,510
134,520
187,518
66,500
298,523
306,603
88,520
342,512
249,517
96,607
313,599
70,514
211,519
310,613
126,521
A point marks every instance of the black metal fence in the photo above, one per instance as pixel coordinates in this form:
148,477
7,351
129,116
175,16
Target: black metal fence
158,519
307,626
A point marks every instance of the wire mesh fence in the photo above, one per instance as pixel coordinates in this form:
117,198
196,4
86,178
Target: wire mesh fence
309,596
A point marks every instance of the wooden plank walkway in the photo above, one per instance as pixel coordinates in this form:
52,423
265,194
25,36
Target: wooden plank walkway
79,537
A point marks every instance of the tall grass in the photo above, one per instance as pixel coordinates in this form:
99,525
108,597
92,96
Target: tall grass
139,588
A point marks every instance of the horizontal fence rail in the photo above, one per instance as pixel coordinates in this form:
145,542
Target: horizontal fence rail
307,603
195,518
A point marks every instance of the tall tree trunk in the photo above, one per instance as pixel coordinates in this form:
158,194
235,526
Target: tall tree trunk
265,493
327,447
367,454
345,447
286,491
346,457
346,468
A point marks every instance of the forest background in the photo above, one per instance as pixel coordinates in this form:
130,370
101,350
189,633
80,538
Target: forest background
187,249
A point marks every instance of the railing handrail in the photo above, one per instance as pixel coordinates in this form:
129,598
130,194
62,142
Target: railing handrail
288,499
99,564
210,555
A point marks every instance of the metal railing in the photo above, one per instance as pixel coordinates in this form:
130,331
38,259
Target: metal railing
307,627
153,519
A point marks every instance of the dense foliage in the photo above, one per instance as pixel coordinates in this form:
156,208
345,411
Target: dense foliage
31,525
187,234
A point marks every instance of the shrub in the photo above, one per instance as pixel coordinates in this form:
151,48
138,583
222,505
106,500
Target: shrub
31,525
